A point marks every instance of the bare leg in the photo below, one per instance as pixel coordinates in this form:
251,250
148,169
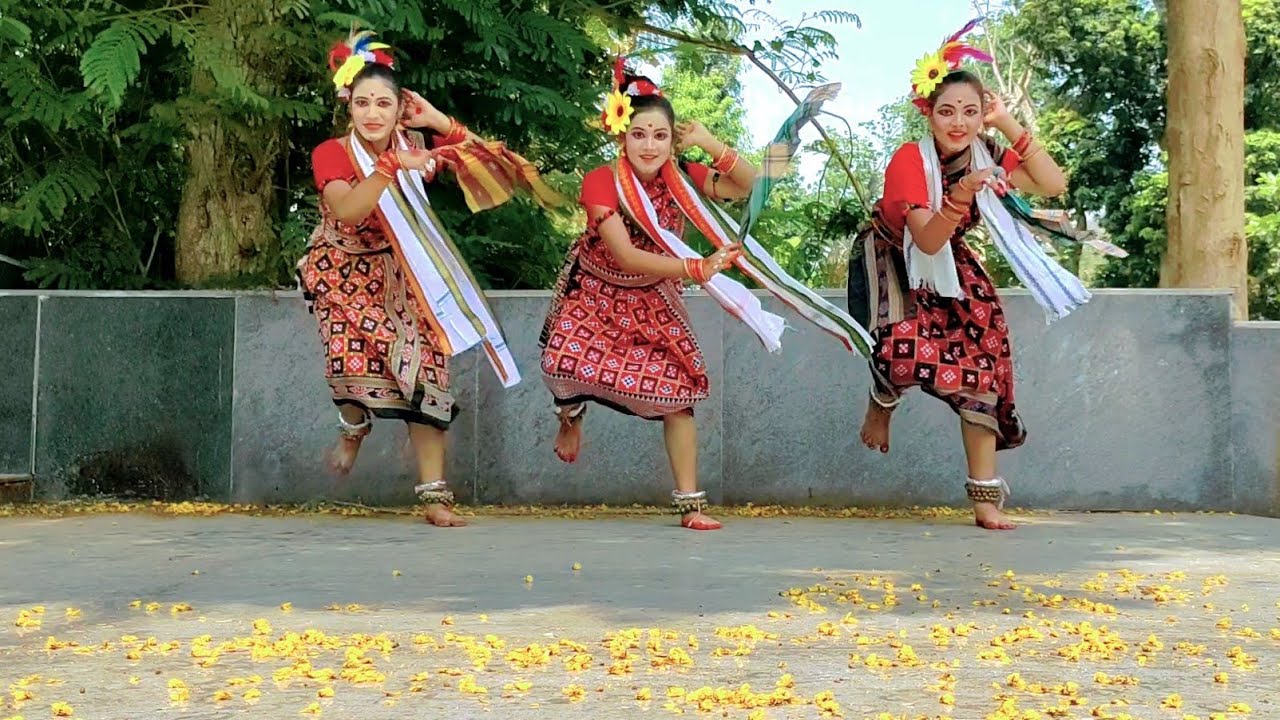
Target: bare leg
980,453
569,436
681,435
875,426
429,446
354,426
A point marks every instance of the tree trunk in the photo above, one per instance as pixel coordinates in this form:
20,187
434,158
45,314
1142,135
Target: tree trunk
225,218
1205,140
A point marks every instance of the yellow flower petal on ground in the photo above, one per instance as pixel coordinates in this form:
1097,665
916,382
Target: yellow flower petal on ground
575,693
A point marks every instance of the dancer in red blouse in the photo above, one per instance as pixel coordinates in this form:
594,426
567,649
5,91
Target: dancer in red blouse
940,325
386,350
618,332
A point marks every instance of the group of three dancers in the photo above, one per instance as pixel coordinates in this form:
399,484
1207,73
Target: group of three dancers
394,300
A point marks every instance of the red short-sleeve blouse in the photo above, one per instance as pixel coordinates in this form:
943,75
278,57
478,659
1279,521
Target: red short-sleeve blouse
598,187
904,183
330,161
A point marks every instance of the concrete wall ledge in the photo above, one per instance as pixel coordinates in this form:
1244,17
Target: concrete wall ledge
1143,399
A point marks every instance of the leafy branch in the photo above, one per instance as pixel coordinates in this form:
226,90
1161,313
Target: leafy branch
796,53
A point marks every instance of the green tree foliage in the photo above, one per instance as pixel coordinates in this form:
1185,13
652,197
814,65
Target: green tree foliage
705,86
1102,93
141,130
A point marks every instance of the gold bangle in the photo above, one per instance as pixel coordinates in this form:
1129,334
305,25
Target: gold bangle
950,202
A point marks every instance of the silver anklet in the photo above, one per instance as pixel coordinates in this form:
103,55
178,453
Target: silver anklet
354,431
571,414
435,492
685,503
994,491
883,405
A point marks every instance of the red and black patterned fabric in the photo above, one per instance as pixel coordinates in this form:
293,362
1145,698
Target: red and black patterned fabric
956,349
380,353
619,339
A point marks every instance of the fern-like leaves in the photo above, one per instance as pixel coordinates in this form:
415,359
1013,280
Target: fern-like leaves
13,31
114,58
45,202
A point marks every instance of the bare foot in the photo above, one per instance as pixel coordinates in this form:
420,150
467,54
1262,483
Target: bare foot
569,440
441,516
699,521
987,515
342,456
875,426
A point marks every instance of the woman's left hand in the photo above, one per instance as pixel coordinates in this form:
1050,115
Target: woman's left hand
418,113
996,113
691,134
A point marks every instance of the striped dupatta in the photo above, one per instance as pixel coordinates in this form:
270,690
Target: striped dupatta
451,299
755,262
489,173
732,296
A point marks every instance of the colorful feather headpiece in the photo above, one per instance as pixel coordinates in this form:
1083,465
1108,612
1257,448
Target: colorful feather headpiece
618,110
348,57
932,68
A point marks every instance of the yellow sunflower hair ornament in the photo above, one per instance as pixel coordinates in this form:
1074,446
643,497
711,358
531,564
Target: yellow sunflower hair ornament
931,69
618,110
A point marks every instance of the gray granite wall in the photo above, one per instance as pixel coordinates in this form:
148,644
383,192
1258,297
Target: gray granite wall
17,383
1142,399
1255,420
134,390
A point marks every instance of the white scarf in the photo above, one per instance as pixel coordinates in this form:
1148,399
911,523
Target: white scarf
1053,287
732,295
436,269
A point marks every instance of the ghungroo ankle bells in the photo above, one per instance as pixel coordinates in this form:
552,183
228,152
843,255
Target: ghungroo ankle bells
434,493
685,503
994,491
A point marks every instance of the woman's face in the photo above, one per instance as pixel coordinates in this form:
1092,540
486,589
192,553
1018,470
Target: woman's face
375,109
956,118
648,141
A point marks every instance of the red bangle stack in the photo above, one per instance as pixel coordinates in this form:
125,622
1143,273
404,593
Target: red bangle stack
694,269
457,133
727,161
1024,142
388,164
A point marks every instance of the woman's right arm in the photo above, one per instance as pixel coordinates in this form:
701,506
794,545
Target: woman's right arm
931,231
352,204
632,259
